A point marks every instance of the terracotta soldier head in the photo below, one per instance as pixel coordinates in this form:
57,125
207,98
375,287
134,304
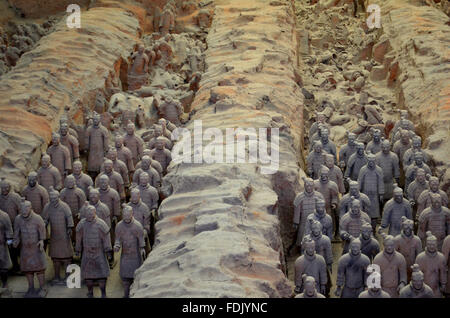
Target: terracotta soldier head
309,285
371,161
309,246
360,148
385,146
309,185
317,147
403,114
130,129
144,179
436,201
324,135
127,213
32,179
109,166
146,162
404,123
118,141
354,188
45,161
366,231
158,131
5,187
112,154
77,167
388,242
135,196
70,182
160,143
418,158
407,226
320,207
431,243
64,129
103,182
324,174
25,208
434,184
376,135
316,228
96,119
355,210
94,195
329,161
320,117
404,136
56,138
355,247
417,277
53,196
90,213
417,143
421,176
398,194
351,139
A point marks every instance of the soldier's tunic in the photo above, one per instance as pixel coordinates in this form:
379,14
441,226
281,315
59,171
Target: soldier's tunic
410,292
115,182
345,153
335,175
60,157
408,157
10,204
370,294
149,195
325,220
130,236
60,219
124,154
97,144
346,203
409,126
424,200
352,274
28,232
136,146
323,247
373,147
329,191
438,222
71,143
83,182
369,247
371,184
314,162
409,247
93,242
434,268
393,271
111,198
155,165
75,198
38,197
400,148
411,171
6,233
304,205
153,177
354,165
392,215
391,170
121,168
50,177
164,157
351,225
446,253
141,213
314,266
415,189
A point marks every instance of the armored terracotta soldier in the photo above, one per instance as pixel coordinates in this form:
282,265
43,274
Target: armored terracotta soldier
167,127
356,162
94,246
369,245
75,199
134,143
118,166
408,157
374,146
392,266
309,290
64,120
138,70
347,150
410,173
320,215
320,119
388,162
141,213
124,154
351,224
48,174
35,193
329,191
110,197
446,253
327,145
371,183
29,233
115,179
97,143
424,200
159,133
153,163
70,142
318,134
352,272
167,21
401,145
60,156
404,121
171,110
129,238
408,244
405,128
82,180
6,239
315,160
374,291
311,264
334,173
345,202
149,194
435,219
416,188
58,214
434,266
101,209
393,211
154,178
161,154
416,287
304,205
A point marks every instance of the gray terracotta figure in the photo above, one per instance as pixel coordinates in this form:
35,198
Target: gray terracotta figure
320,119
351,224
110,197
115,179
82,180
159,133
415,189
60,156
347,150
346,200
35,193
320,215
322,242
369,245
392,266
334,173
134,143
410,173
57,214
315,160
434,266
149,194
408,157
138,70
401,145
405,128
154,177
329,191
64,120
48,174
118,166
311,264
318,134
70,142
101,209
94,246
141,213
129,238
404,121
161,154
97,143
446,253
6,239
388,162
352,272
416,287
356,162
309,288
167,126
124,153
374,291
327,145
304,205
371,114
424,200
374,146
171,110
167,21
153,163
29,233
393,211
435,219
408,244
75,199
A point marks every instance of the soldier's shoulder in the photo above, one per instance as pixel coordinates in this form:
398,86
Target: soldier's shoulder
80,224
102,225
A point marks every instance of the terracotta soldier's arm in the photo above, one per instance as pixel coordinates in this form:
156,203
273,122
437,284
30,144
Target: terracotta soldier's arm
329,255
443,273
140,147
58,180
340,279
116,206
81,199
67,161
147,221
106,240
44,197
120,187
16,234
105,140
44,214
87,139
118,241
385,219
446,249
323,278
329,232
42,233
9,234
75,148
402,277
69,218
422,227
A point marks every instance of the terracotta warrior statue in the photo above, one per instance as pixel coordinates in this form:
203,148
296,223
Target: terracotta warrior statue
69,141
320,119
94,246
60,156
334,173
351,224
149,194
371,183
347,150
435,219
311,264
35,193
315,160
124,153
97,143
141,213
161,154
6,240
327,145
424,200
392,266
352,272
374,146
153,163
134,143
29,233
171,110
57,214
65,120
410,173
309,290
167,127
416,287
115,179
369,245
393,211
388,162
356,162
82,180
446,253
408,157
405,128
138,70
416,188
320,215
158,132
404,121
408,244
118,166
75,199
401,145
48,174
345,203
129,238
110,197
101,209
154,178
329,191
